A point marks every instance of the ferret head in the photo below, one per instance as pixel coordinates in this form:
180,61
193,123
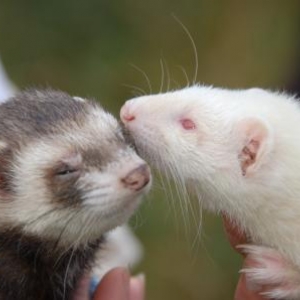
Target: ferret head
66,171
216,137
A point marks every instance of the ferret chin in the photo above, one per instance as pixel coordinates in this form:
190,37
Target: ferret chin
67,176
240,151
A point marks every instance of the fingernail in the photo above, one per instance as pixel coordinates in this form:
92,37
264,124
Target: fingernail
141,278
137,287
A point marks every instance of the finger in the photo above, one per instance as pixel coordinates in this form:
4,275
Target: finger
244,292
137,287
114,286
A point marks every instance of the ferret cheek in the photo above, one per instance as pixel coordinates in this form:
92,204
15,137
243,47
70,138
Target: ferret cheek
187,124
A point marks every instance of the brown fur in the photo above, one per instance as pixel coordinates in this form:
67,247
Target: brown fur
31,268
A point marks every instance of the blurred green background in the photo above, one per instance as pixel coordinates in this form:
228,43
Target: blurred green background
85,47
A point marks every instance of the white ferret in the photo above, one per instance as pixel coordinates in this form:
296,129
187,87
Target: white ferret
241,151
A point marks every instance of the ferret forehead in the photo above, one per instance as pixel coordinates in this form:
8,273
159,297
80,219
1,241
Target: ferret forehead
93,147
35,112
207,94
102,119
99,127
98,135
196,93
42,153
159,102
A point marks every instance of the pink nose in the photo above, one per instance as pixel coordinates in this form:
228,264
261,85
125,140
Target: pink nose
137,178
125,114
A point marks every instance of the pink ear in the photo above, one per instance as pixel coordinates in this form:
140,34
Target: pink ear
255,145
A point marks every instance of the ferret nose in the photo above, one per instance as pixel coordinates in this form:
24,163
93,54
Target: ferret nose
125,114
137,178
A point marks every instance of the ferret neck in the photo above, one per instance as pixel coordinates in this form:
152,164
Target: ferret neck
43,271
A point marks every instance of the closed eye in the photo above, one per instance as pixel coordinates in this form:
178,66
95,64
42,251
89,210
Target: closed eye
68,166
66,172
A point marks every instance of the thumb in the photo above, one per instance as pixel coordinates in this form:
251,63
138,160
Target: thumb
114,286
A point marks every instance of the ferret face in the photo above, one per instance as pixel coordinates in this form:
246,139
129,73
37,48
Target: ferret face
68,170
172,131
201,134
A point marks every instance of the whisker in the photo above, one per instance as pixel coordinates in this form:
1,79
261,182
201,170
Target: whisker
74,244
203,236
167,74
140,90
174,207
32,222
65,227
177,85
157,186
198,235
171,203
41,216
182,208
92,188
199,227
96,197
138,220
145,75
84,230
193,45
136,94
66,274
185,75
183,205
196,218
95,194
162,76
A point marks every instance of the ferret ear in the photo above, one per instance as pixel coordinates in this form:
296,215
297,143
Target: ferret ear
256,145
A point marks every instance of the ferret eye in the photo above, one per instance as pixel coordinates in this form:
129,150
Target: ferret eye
66,171
188,124
68,166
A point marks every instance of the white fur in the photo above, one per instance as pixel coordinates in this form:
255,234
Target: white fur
121,249
265,204
79,99
270,270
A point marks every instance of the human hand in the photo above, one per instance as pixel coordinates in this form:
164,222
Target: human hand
236,237
115,285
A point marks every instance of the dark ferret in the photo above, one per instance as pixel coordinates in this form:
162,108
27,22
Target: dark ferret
67,176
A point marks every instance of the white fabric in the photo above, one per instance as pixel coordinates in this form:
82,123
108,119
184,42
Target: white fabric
7,88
